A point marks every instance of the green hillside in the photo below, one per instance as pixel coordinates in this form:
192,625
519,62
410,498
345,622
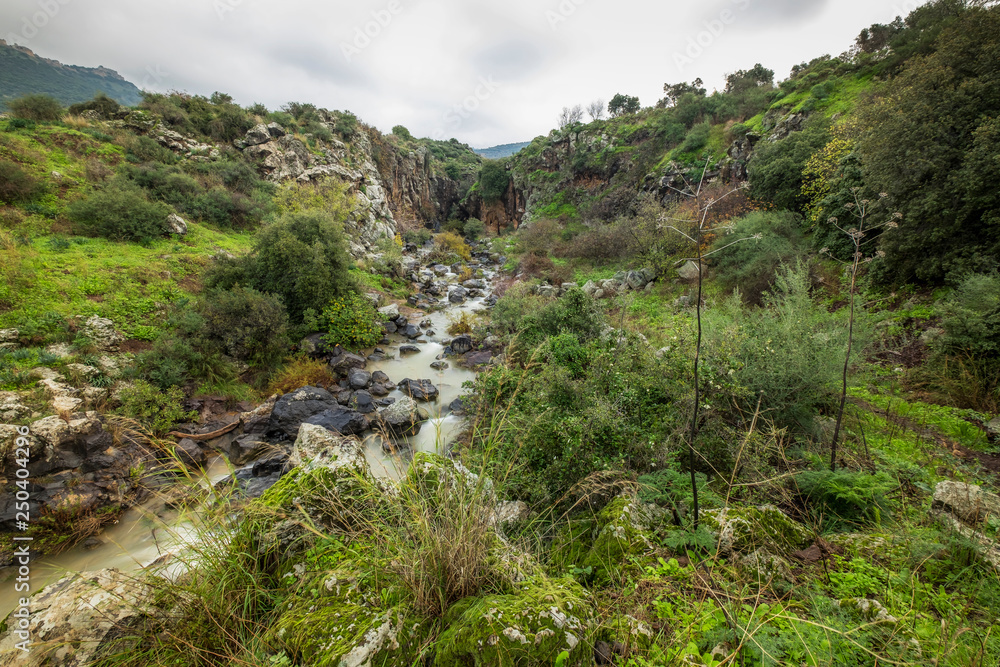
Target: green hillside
24,73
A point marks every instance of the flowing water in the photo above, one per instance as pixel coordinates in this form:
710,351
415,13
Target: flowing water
146,533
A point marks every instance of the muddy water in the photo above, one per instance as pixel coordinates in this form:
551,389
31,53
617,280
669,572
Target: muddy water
438,432
142,535
146,533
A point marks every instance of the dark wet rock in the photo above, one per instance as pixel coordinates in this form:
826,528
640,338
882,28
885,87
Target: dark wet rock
440,365
391,328
362,402
343,363
408,349
474,359
292,409
421,390
247,447
190,453
341,420
344,396
457,407
359,379
411,331
461,344
315,347
377,389
381,378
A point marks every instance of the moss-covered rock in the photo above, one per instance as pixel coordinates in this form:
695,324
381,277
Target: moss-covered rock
748,529
631,634
530,627
428,472
605,542
333,483
340,619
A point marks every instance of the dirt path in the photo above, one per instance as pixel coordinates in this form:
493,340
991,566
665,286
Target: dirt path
990,462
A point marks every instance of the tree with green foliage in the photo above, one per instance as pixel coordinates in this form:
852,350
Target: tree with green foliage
403,133
246,324
493,181
39,108
775,171
621,105
930,143
102,104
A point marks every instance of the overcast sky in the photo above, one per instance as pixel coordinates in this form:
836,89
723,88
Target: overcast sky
484,71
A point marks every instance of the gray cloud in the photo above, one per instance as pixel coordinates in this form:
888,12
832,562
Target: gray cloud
430,56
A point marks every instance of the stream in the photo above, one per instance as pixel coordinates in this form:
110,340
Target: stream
152,530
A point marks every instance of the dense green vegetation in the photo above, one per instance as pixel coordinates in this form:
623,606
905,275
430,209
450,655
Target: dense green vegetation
727,464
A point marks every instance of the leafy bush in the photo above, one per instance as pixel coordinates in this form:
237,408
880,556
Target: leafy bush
353,322
846,499
532,319
779,354
473,228
119,212
752,265
246,324
696,138
18,186
302,372
300,257
153,407
418,237
40,108
401,132
449,247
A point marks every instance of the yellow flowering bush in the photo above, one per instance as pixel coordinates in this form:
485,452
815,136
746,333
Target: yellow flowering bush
353,322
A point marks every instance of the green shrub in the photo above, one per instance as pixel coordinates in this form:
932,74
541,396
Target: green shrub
153,407
119,212
246,324
776,170
18,186
401,132
752,265
696,139
605,406
779,354
418,237
353,322
40,108
449,248
473,228
301,258
532,320
101,103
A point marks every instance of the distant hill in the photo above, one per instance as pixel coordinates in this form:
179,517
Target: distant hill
22,72
504,150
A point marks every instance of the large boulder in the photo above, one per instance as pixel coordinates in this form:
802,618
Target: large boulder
744,530
176,225
970,504
101,331
402,418
292,409
75,620
340,420
421,390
